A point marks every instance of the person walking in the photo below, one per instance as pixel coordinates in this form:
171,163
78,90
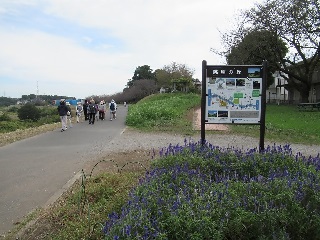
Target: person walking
92,110
69,116
102,110
63,110
113,110
97,111
85,110
79,110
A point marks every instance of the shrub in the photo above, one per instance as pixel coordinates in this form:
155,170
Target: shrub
10,126
49,112
4,117
29,112
13,109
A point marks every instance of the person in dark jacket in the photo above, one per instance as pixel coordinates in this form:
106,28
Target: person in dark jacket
85,110
63,110
92,110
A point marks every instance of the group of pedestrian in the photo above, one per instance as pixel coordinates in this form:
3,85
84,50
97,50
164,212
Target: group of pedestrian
92,111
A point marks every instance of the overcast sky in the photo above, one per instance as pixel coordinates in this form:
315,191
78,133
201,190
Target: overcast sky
81,48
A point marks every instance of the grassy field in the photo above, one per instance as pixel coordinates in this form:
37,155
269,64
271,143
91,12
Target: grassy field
167,112
194,192
286,123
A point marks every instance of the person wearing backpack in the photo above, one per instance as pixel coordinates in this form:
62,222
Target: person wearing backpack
113,110
92,110
79,110
63,110
69,115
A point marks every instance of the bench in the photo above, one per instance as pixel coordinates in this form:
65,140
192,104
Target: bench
310,106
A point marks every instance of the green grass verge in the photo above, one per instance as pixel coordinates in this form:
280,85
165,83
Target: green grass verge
287,124
163,112
84,213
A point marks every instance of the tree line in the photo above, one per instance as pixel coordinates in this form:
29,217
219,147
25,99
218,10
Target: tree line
146,81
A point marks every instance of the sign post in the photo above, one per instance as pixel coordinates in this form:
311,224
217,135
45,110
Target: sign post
233,94
203,101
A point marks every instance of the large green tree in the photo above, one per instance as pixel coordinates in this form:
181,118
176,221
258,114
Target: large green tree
141,72
254,48
296,23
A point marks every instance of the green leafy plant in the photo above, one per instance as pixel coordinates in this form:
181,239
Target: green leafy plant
29,112
5,117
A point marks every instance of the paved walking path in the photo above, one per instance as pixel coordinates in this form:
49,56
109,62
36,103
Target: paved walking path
34,170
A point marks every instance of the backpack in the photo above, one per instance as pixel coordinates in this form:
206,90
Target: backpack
112,106
92,108
79,108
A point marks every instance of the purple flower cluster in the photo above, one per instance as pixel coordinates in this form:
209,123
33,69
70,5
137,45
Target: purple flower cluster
209,191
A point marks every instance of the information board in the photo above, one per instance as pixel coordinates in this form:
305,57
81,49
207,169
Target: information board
233,94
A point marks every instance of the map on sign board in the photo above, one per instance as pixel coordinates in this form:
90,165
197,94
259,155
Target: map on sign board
233,94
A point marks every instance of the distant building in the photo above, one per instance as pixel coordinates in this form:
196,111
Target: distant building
279,92
72,102
276,93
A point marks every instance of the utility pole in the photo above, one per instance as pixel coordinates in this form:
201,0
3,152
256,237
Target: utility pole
37,91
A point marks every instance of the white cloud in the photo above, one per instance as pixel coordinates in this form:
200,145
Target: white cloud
132,33
45,58
87,39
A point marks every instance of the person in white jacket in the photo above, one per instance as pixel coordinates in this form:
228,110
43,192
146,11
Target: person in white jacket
69,115
79,111
102,110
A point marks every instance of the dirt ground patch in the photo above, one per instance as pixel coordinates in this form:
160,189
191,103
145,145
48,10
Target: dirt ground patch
118,162
197,123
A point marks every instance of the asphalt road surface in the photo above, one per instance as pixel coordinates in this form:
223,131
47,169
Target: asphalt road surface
33,171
